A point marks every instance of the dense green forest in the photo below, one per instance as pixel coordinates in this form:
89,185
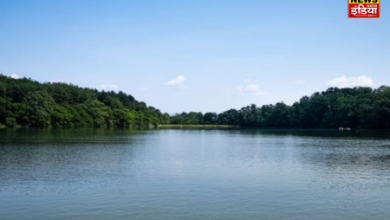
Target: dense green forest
24,102
359,107
32,104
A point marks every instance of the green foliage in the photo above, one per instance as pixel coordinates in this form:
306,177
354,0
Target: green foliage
165,119
10,122
99,112
61,117
32,104
2,89
251,116
177,119
124,118
230,117
39,107
210,118
83,119
358,107
381,105
29,103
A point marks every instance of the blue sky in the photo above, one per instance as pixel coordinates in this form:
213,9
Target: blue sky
203,55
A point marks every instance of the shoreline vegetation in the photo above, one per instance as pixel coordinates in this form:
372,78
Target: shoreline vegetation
26,103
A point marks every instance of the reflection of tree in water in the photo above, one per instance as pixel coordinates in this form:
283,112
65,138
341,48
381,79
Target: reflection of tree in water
66,160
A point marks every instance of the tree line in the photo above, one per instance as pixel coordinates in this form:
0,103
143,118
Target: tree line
28,103
359,107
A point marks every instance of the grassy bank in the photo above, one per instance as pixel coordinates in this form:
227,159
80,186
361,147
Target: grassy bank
197,126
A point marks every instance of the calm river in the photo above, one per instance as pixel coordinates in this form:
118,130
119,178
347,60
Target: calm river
194,174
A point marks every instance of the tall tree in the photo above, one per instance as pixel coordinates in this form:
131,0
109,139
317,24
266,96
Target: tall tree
39,107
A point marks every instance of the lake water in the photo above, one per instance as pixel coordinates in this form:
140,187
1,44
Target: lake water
194,174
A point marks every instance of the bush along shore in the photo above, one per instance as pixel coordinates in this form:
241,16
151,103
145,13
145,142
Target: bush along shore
28,103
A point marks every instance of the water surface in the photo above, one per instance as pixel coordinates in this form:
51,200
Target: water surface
194,174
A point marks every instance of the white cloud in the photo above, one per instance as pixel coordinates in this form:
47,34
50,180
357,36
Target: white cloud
300,82
344,82
177,81
14,76
253,88
109,86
